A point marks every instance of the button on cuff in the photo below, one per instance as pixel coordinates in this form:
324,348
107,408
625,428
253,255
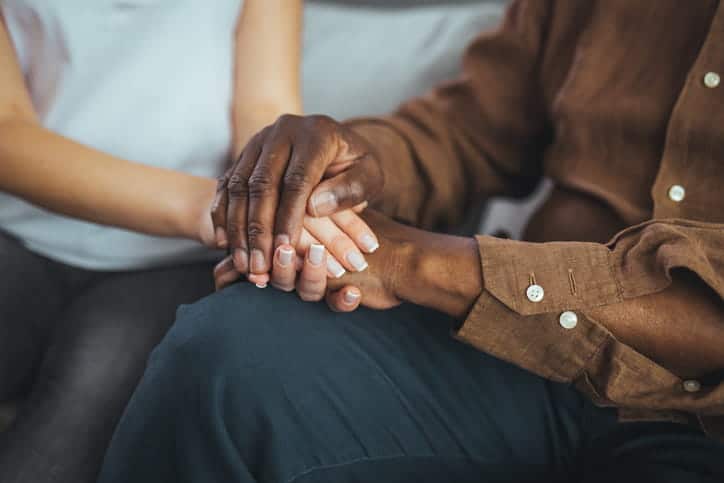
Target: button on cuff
568,320
677,193
535,293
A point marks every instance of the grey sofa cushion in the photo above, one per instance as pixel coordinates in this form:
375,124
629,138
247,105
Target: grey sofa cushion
364,57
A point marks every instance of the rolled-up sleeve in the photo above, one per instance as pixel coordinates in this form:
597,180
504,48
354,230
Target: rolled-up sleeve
553,331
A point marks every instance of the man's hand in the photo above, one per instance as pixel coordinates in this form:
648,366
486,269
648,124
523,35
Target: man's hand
297,165
438,271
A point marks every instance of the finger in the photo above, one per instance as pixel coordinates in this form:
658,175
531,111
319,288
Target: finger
225,274
345,300
312,282
284,271
358,184
356,228
261,280
218,211
361,207
337,242
238,192
334,268
305,170
264,184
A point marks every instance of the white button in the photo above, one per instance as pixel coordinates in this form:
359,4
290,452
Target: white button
568,320
712,80
534,293
677,193
692,385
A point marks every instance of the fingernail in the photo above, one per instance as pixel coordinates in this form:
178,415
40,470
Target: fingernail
335,268
351,298
324,202
285,256
260,285
357,261
220,235
240,259
369,243
316,253
257,261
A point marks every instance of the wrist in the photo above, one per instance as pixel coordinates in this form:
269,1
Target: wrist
193,214
443,273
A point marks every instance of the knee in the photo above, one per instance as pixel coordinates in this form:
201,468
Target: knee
236,328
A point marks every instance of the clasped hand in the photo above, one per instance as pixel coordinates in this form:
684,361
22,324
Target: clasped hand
290,213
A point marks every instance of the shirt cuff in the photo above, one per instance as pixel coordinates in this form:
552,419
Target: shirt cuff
538,278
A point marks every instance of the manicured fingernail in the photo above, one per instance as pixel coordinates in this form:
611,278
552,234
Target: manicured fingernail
260,285
351,297
335,268
324,202
369,243
240,259
357,261
286,255
257,261
316,253
220,234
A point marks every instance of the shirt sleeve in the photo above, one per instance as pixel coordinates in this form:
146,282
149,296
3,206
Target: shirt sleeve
483,135
555,332
477,136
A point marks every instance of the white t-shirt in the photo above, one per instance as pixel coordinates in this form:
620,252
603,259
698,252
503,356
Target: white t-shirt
145,80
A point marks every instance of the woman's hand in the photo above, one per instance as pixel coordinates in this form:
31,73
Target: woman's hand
438,271
341,234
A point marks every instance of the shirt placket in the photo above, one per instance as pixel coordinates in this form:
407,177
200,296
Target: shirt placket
700,102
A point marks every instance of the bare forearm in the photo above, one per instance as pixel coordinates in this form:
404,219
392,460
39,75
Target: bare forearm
266,70
74,180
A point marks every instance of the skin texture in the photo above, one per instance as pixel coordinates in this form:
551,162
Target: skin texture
333,168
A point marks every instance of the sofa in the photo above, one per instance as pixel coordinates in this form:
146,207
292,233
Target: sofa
364,57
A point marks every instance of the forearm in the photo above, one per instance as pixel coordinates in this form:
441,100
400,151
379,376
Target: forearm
445,275
69,178
267,65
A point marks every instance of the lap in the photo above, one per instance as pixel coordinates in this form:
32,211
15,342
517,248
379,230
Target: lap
254,385
96,354
30,296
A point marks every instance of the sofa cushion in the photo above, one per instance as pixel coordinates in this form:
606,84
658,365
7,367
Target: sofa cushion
365,57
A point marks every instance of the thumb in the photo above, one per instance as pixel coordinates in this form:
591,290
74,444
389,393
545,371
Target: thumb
360,183
346,299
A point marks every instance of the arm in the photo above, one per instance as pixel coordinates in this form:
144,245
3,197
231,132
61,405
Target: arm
89,184
646,308
477,136
266,74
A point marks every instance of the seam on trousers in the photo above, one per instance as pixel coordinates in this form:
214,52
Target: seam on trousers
306,472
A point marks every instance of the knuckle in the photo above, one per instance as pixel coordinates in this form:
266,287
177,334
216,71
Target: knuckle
296,180
237,186
321,122
255,230
234,231
261,185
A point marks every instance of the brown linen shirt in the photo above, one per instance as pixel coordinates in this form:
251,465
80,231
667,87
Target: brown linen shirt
617,101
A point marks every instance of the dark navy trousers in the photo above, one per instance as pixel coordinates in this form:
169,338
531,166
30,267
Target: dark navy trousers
256,386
